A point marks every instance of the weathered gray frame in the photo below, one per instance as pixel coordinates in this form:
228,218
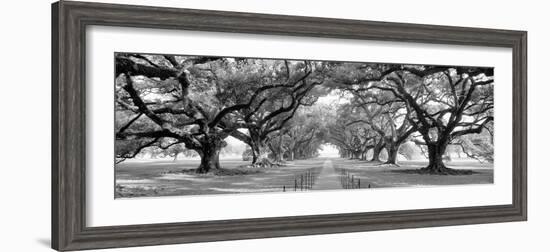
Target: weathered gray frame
69,20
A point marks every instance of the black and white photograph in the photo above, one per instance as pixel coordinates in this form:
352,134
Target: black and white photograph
203,124
275,126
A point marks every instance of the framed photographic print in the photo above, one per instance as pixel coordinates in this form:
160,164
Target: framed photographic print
178,125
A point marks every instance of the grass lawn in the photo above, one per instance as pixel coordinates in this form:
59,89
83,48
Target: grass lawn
380,175
136,178
164,178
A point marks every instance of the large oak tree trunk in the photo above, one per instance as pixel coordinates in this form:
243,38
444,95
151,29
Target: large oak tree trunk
260,157
377,150
210,160
210,154
392,153
255,153
364,155
436,165
356,154
278,157
435,154
344,154
254,145
276,153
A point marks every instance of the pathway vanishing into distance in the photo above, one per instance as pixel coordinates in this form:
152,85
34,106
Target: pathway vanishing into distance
328,178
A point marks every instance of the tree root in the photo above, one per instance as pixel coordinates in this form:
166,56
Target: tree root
217,172
388,164
438,170
442,170
266,163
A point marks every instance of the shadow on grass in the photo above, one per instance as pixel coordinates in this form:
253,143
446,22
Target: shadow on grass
221,172
451,172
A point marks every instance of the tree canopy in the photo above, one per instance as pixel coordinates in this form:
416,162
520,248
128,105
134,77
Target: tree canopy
192,104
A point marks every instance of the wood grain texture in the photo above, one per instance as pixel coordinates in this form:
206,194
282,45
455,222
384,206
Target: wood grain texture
69,21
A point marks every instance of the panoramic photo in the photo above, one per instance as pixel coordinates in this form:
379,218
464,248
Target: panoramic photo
202,125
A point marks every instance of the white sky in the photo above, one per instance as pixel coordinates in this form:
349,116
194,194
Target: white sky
328,150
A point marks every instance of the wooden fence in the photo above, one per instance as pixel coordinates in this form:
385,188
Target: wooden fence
350,181
303,181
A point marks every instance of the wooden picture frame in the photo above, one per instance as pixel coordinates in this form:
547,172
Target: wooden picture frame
69,20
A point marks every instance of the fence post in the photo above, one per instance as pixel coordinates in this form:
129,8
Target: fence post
307,180
295,183
284,189
345,180
310,183
311,178
301,182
